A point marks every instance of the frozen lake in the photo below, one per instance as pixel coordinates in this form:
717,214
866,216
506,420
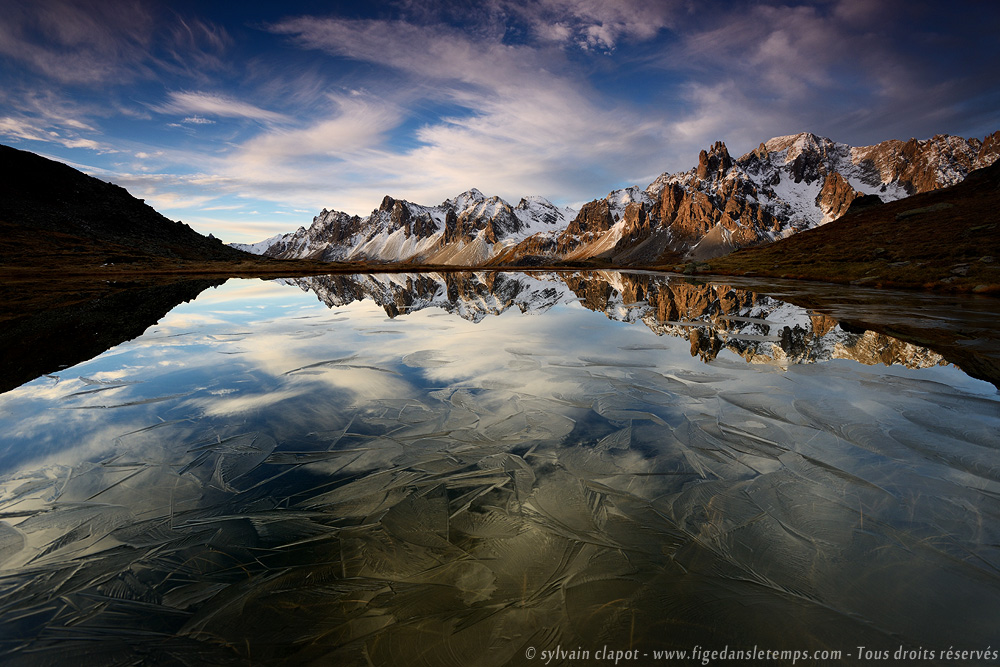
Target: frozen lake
488,469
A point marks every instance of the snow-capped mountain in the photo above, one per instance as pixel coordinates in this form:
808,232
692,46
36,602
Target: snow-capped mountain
468,229
786,185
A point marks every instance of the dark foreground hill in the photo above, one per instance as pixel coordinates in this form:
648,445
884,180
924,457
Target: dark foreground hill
67,238
47,196
945,239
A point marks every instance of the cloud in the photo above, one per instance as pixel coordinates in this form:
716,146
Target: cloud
521,118
195,48
212,104
170,191
85,41
853,70
20,128
41,114
595,24
354,123
562,98
585,24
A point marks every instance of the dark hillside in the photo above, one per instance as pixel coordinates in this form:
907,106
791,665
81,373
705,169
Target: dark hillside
47,196
946,239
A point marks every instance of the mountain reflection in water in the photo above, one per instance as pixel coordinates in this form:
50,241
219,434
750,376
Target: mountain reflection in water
262,479
757,327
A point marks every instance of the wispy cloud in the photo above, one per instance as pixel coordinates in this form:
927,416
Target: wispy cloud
852,69
168,192
86,41
522,119
353,123
595,24
19,128
212,104
90,42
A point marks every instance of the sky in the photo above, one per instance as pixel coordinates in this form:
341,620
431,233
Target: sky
245,119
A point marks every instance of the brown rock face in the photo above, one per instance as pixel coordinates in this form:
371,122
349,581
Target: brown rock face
635,218
400,215
387,203
504,221
714,163
595,217
989,151
922,166
689,214
692,214
451,231
421,226
836,196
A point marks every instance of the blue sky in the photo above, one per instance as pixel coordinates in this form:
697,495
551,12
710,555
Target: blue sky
244,119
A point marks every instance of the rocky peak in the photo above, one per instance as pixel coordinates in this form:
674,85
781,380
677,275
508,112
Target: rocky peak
793,143
989,151
808,157
635,218
463,201
493,215
327,219
594,216
714,162
400,214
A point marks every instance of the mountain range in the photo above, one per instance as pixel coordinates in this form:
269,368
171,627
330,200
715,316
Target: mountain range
786,185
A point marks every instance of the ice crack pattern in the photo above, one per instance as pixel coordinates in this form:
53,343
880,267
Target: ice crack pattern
456,497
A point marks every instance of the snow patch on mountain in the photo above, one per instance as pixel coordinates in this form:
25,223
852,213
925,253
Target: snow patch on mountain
468,229
260,247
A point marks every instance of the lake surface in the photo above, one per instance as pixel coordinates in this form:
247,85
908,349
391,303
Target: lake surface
501,468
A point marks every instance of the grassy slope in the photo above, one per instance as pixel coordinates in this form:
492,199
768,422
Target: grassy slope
948,239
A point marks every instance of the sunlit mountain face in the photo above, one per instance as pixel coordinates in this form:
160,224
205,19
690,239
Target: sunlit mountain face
468,467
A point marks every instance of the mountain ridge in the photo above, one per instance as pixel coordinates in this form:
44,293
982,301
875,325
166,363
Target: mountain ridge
947,238
788,184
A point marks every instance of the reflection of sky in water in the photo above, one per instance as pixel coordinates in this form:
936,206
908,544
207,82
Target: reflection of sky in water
563,471
237,348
